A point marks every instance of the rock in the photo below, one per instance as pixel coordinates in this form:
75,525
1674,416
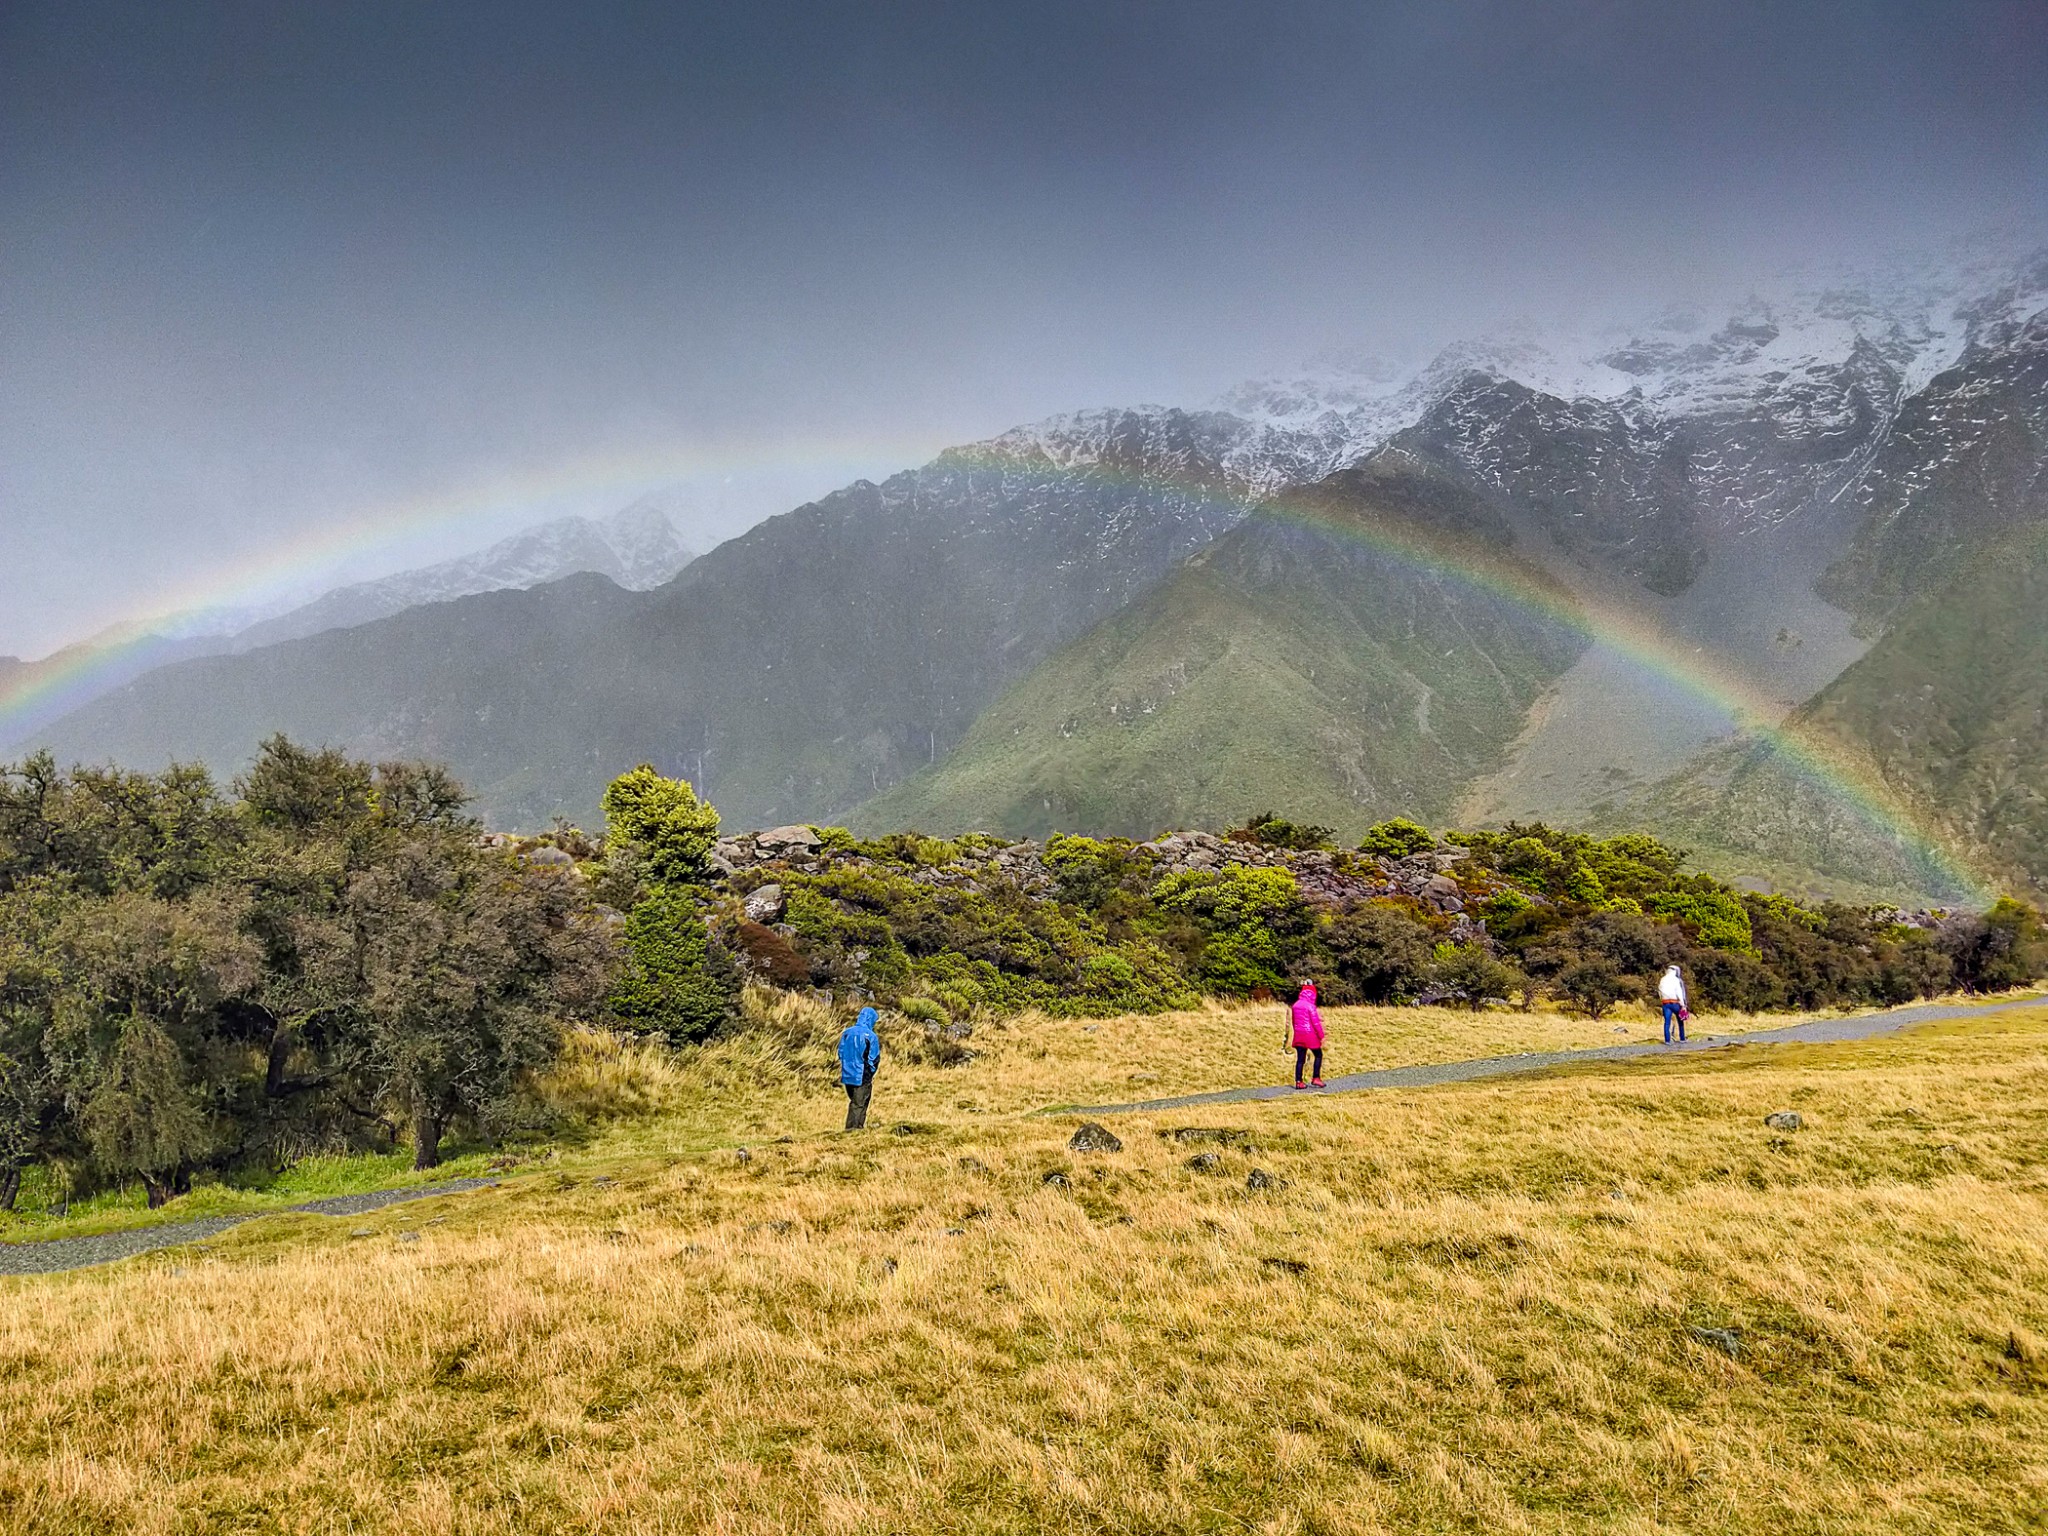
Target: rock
1144,1077
1783,1120
1727,1340
764,904
960,1029
546,855
362,1232
742,1155
788,842
1057,1180
1284,1266
1443,893
1259,1179
973,1165
888,1266
1094,1138
1204,1162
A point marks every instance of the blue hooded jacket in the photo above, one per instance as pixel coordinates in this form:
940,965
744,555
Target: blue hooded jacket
860,1049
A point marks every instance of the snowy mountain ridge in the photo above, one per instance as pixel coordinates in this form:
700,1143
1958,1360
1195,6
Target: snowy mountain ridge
637,547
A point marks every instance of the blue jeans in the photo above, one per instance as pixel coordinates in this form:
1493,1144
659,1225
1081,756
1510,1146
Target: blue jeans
1673,1013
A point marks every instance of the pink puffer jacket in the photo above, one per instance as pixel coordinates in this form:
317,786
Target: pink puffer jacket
1308,1024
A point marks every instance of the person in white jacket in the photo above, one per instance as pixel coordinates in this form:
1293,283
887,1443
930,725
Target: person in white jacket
1671,993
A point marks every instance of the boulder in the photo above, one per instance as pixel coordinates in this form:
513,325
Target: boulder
1258,1179
1057,1180
788,842
1204,1162
1783,1120
547,855
764,904
1443,893
1094,1138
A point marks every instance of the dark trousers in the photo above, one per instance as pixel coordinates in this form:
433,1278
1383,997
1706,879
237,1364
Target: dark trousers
1673,1014
857,1097
1301,1053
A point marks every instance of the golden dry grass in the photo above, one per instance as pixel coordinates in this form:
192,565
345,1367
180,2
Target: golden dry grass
1468,1308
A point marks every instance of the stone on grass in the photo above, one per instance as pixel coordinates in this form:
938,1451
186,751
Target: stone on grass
1094,1138
1727,1340
1204,1162
764,903
1057,1180
1259,1179
1783,1120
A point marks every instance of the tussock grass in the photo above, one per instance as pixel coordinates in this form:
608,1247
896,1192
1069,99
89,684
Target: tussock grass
1499,1306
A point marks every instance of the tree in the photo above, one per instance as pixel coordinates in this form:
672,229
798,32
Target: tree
1593,982
1475,975
1378,953
144,1116
664,820
678,980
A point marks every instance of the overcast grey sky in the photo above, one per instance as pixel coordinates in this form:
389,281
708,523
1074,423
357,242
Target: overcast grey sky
270,271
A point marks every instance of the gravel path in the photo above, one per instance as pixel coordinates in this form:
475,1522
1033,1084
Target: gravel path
102,1248
1861,1027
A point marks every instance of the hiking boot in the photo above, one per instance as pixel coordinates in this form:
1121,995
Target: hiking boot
1299,1086
1317,1083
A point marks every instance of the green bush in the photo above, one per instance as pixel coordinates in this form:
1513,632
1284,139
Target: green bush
1396,839
664,821
1273,831
677,982
1717,918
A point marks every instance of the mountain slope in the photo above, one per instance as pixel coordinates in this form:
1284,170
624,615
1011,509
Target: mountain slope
791,672
1302,661
1949,712
637,548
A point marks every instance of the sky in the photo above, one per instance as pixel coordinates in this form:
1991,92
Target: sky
309,292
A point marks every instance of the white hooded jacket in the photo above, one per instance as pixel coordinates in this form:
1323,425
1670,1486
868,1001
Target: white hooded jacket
1671,988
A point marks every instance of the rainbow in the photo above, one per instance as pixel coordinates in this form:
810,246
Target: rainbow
40,692
46,690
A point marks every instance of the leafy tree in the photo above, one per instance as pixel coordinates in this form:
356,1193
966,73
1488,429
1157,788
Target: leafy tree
1377,954
144,1116
1475,975
1593,983
2006,947
662,818
1256,923
1716,916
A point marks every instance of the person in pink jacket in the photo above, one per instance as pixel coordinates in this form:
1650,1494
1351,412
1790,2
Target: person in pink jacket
1307,1034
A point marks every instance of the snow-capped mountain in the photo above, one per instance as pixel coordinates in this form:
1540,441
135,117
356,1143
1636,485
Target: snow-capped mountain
1743,496
638,548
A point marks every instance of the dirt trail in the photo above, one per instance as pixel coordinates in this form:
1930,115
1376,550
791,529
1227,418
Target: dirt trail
60,1253
1820,1031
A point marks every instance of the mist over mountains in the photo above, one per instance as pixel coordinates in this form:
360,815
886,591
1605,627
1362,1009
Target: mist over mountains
1570,579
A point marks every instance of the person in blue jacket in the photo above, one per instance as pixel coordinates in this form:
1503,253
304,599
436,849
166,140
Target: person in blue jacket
860,1052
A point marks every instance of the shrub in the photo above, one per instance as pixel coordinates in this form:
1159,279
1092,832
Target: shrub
1717,917
925,1010
1592,983
1377,954
1475,975
677,981
1396,839
664,820
1273,831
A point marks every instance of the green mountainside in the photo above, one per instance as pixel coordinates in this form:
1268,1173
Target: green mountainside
1949,710
1298,661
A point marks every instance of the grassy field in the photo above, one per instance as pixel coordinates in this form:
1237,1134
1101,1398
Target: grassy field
777,1080
1606,1299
